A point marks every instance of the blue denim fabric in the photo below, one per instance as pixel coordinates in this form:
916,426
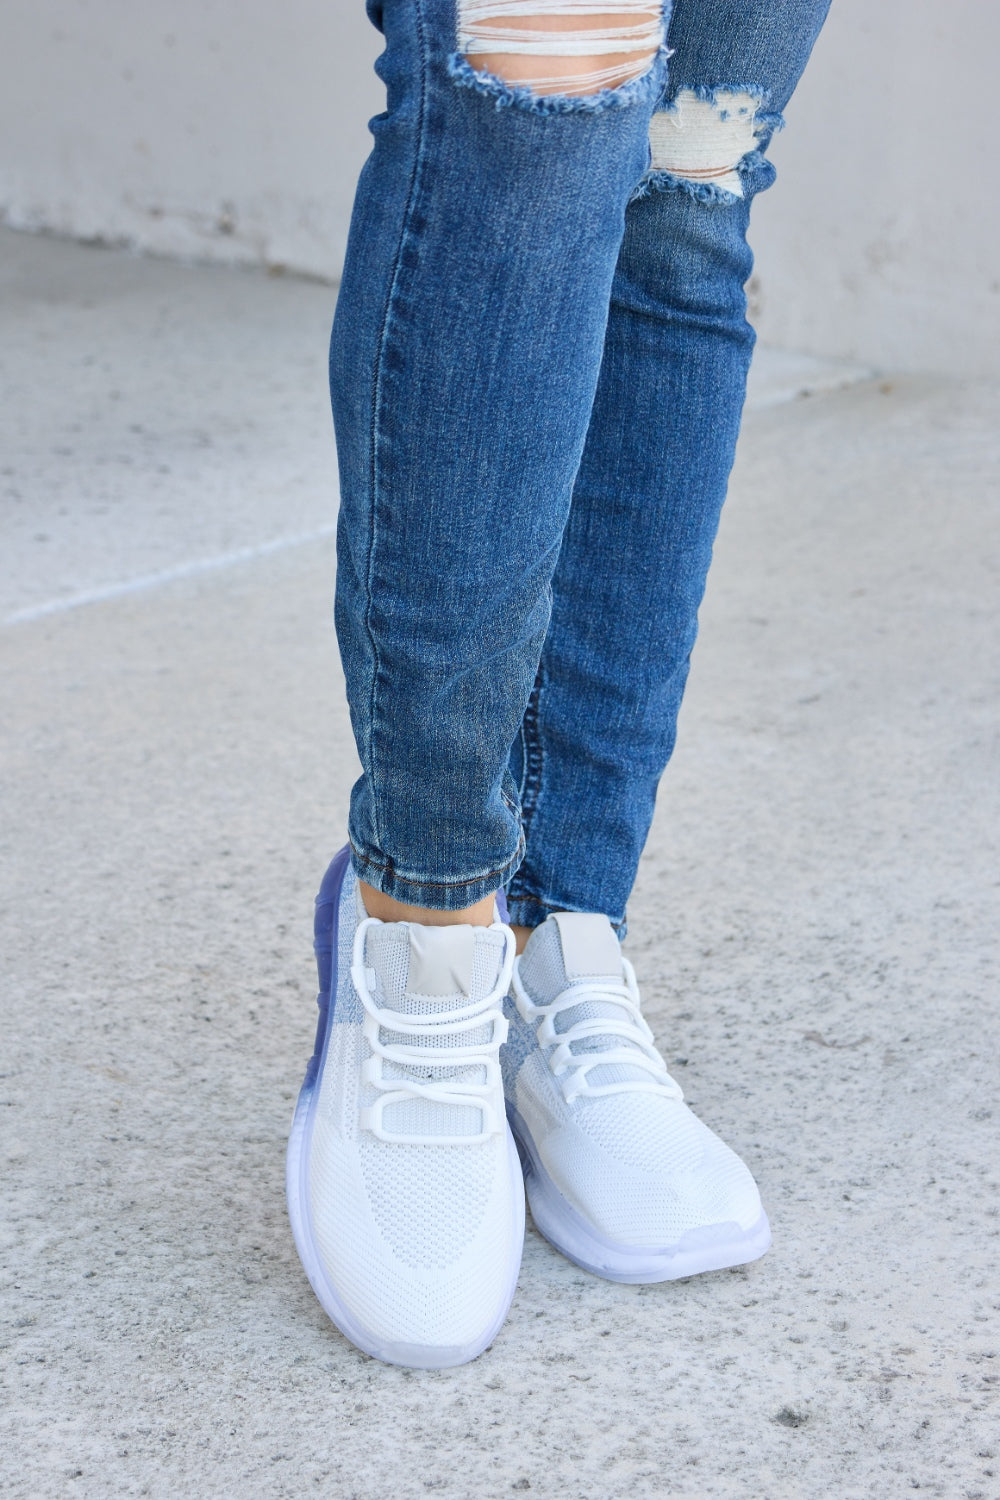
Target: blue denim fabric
537,369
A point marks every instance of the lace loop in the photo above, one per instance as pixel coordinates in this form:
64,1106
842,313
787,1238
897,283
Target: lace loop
426,1049
630,1029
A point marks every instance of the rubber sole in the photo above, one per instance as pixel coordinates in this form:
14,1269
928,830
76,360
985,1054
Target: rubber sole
714,1247
411,1356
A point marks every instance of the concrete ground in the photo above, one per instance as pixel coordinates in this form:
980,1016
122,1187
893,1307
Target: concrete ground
813,930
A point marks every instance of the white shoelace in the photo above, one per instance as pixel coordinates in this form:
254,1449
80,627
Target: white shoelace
637,1047
435,1044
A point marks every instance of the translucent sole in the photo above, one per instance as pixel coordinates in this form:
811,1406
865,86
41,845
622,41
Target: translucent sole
712,1247
411,1356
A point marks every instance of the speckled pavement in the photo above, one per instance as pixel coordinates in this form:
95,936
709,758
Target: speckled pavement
814,931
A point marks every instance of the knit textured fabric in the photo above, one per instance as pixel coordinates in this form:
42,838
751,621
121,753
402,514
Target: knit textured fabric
638,1165
418,1241
543,974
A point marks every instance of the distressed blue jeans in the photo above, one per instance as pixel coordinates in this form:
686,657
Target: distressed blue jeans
538,367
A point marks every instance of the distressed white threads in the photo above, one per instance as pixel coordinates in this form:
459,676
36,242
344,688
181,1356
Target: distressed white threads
518,28
703,140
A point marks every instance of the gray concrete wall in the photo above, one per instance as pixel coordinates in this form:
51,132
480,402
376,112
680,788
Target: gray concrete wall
228,130
879,240
234,129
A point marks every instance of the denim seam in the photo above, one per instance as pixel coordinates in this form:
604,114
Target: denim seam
524,764
383,335
511,806
533,756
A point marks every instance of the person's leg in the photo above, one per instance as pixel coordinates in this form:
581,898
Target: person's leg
464,360
621,1176
601,722
465,355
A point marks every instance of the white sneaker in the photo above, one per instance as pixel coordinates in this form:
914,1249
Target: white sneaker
404,1186
621,1176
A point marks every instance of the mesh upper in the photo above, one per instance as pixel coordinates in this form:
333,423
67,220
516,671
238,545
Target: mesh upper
543,973
417,1239
640,1167
387,952
372,1250
427,1216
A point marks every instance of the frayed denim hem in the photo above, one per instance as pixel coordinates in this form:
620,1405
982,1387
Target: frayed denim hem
637,91
713,92
708,141
708,192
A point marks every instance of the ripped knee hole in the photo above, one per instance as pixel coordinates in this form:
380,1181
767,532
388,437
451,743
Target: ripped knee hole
700,142
560,46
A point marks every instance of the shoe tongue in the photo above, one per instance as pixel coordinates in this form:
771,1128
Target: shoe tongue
426,970
569,948
588,946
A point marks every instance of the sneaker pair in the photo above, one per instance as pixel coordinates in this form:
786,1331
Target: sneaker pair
404,1179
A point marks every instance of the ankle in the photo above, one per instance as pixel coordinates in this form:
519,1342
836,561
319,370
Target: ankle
521,934
388,909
